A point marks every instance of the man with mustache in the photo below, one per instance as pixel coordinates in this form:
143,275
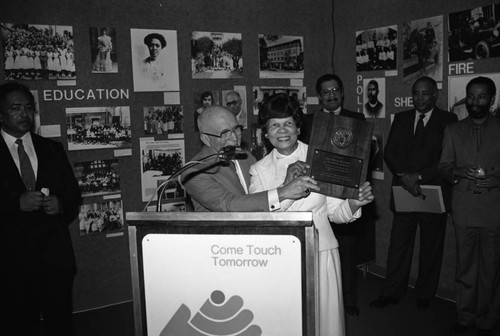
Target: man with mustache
471,161
39,198
330,91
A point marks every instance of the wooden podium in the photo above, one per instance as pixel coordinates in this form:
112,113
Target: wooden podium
224,273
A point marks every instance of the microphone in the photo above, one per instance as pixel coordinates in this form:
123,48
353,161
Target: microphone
228,153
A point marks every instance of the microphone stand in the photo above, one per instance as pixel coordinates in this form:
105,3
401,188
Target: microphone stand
224,154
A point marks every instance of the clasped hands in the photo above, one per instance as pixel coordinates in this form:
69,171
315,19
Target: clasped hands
33,200
470,172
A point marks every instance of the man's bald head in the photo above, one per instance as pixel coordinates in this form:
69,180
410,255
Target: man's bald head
212,122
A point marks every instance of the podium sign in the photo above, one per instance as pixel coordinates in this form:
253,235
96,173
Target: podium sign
223,273
228,283
339,152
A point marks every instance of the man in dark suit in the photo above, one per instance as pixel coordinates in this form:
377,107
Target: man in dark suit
39,198
412,154
330,91
217,185
471,161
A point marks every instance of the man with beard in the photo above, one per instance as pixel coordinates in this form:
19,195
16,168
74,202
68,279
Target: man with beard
471,160
330,91
373,107
412,154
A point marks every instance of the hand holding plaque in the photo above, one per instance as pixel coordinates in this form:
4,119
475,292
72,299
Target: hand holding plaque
339,151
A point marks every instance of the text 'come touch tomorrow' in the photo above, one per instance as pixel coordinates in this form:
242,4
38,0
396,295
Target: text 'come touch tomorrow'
243,256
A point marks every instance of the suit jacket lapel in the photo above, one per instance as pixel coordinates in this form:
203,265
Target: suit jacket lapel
10,165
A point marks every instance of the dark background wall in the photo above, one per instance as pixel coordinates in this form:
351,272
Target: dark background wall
104,270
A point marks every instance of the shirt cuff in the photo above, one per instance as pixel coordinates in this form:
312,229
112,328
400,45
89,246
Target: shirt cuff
273,200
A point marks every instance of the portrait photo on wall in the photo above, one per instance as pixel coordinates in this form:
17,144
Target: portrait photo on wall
377,49
98,127
201,100
374,97
474,33
423,49
35,52
100,217
216,55
297,95
154,60
236,101
159,160
98,177
103,46
165,120
281,56
457,93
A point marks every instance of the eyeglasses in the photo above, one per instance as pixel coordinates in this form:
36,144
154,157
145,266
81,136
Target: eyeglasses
236,102
331,91
225,135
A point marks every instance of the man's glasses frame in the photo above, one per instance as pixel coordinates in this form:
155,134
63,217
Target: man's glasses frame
331,91
225,135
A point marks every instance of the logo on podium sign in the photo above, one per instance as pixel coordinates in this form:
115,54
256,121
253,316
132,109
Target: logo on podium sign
217,316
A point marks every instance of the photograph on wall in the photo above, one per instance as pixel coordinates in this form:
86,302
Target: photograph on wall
173,190
103,46
423,49
100,217
374,97
216,55
236,101
297,95
281,56
474,33
457,93
35,52
37,126
377,155
98,127
203,99
154,60
159,160
98,177
377,49
164,120
169,207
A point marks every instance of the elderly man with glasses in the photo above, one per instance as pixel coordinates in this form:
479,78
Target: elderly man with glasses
235,104
222,185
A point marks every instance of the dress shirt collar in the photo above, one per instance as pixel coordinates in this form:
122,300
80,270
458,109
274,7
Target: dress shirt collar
11,141
336,112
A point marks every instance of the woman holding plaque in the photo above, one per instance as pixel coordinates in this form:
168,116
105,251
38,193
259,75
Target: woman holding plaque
280,121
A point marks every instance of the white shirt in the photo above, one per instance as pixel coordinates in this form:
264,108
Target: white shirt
417,117
10,141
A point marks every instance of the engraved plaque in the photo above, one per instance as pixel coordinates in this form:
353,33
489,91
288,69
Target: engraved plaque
338,153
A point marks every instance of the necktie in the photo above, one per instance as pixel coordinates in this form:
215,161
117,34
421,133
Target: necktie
419,130
27,173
